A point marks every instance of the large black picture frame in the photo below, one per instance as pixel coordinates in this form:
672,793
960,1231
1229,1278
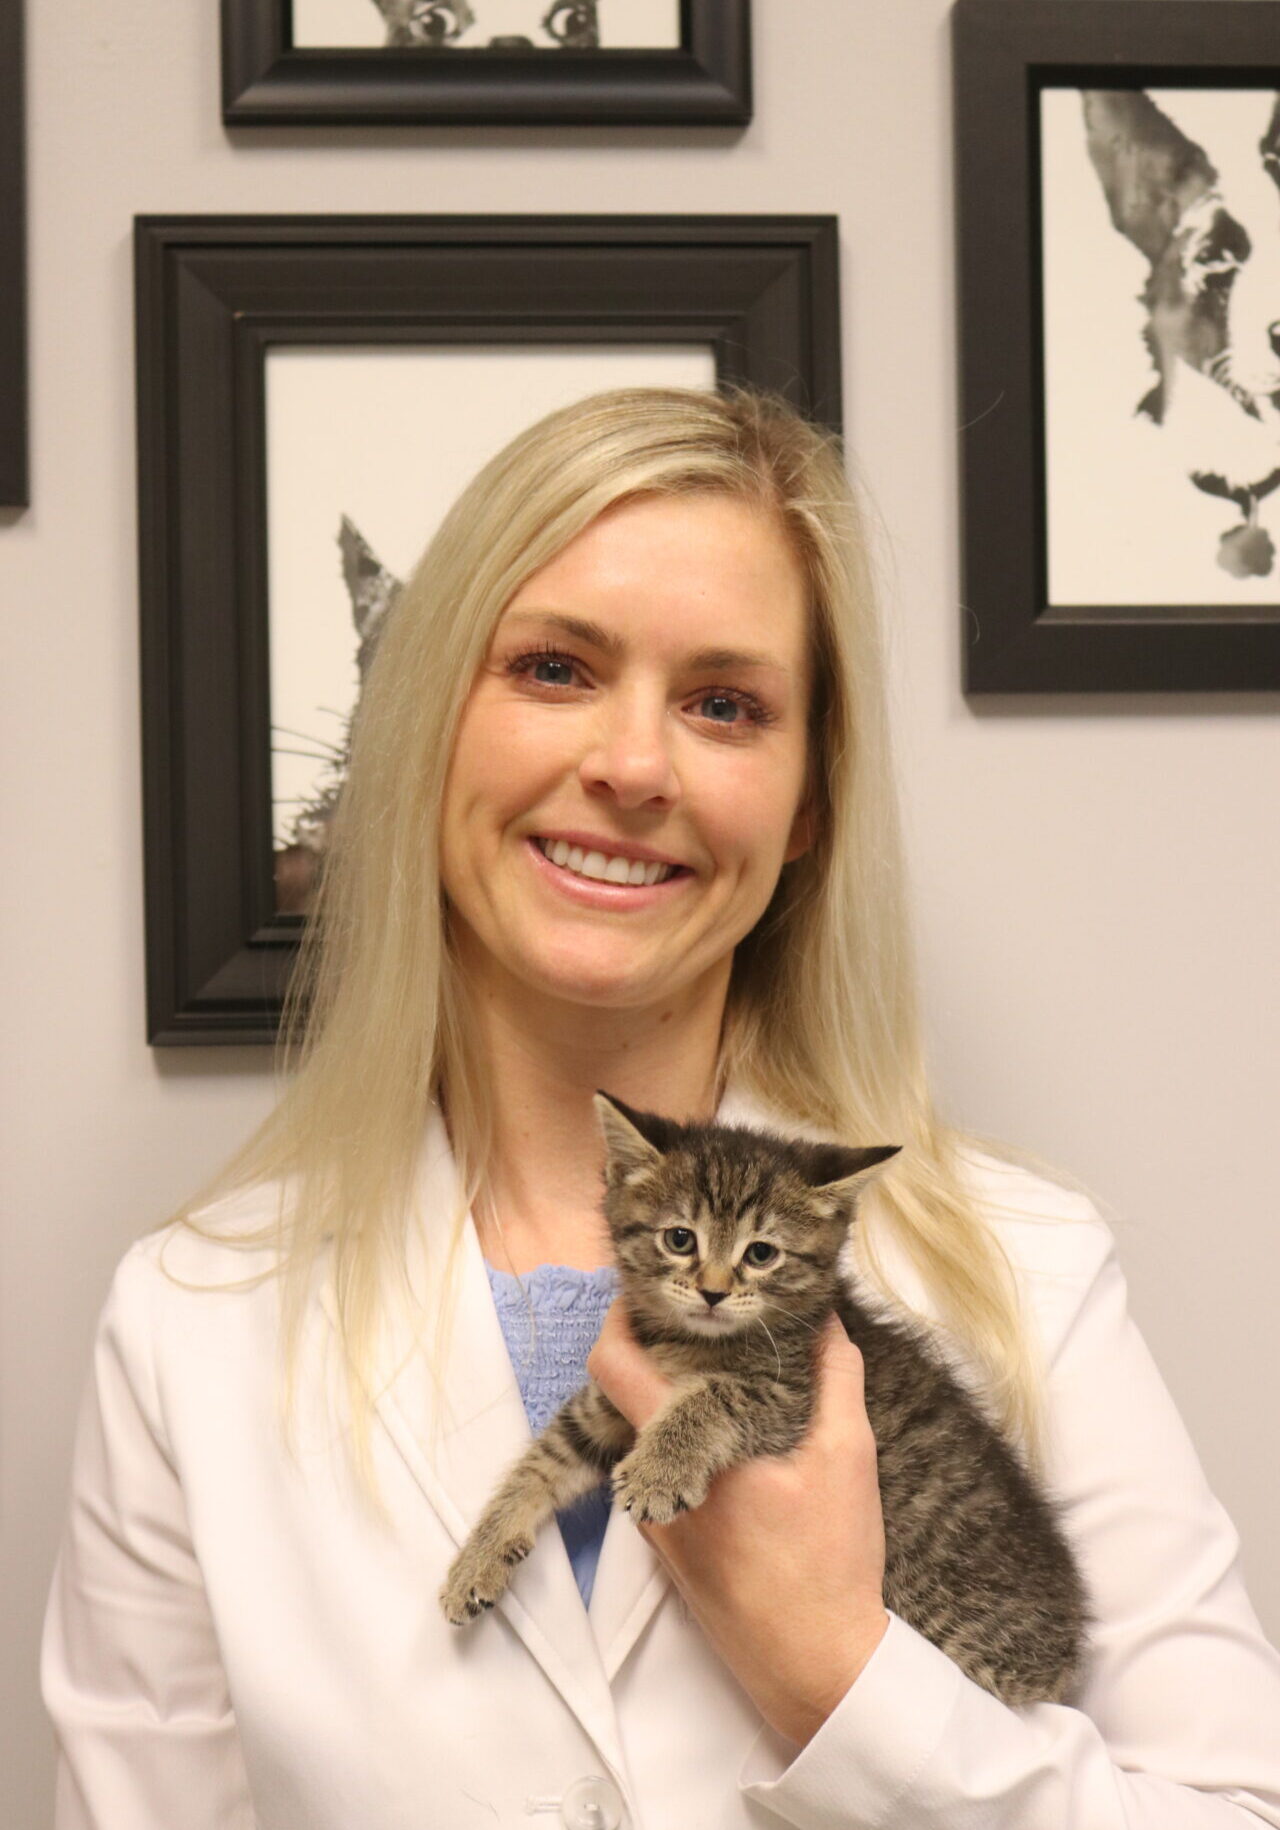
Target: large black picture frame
1005,52
214,295
267,81
14,484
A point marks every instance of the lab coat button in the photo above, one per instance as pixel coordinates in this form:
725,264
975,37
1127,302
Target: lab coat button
591,1804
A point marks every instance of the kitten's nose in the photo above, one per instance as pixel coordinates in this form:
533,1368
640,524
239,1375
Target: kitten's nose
712,1297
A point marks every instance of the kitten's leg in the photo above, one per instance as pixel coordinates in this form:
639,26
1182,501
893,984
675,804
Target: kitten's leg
572,1455
709,1425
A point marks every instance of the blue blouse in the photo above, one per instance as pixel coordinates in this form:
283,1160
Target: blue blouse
548,1350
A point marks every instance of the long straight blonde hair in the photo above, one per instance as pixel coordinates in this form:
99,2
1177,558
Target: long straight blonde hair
821,1017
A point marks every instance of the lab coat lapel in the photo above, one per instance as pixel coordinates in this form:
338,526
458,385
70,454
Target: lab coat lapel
459,1441
630,1583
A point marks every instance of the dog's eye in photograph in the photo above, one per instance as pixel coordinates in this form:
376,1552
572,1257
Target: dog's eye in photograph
1160,214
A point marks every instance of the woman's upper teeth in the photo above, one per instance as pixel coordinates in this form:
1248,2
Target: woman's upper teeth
601,865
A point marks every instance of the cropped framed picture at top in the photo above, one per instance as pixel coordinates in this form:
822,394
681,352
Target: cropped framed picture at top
313,393
13,335
486,62
1118,239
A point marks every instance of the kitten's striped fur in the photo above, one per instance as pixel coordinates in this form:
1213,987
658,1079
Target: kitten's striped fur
975,1559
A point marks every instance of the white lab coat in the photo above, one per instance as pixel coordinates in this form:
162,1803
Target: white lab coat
234,1639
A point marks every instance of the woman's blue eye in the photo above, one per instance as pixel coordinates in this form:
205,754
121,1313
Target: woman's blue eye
564,671
722,705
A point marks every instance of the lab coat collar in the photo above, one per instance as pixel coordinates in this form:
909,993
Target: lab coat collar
460,1425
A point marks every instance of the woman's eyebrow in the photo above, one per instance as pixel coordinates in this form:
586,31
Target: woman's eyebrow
583,630
580,628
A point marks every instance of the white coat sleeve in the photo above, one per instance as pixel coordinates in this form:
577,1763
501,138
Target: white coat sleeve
1178,1724
130,1667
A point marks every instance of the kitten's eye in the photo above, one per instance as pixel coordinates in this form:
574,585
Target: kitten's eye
760,1252
679,1239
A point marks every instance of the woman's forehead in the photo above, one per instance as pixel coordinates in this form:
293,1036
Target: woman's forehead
717,569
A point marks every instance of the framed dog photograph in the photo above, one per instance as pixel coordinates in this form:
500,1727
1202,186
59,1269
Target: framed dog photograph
313,393
486,62
1118,229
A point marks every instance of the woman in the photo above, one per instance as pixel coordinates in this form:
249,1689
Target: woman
620,816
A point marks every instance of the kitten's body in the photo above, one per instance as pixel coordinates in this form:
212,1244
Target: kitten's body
974,1557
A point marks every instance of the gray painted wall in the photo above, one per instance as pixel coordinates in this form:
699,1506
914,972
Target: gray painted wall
1099,887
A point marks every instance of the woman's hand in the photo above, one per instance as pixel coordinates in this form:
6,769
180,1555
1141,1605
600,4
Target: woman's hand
783,1563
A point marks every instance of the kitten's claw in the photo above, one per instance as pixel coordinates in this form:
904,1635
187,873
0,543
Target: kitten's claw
476,1580
460,1608
653,1496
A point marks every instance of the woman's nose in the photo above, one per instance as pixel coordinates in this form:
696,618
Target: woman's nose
630,756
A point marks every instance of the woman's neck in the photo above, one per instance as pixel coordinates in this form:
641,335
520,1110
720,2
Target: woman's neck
541,1069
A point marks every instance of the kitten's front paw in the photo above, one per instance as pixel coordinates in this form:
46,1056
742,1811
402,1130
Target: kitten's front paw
653,1491
477,1578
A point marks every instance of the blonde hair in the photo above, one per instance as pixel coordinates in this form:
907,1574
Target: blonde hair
821,1020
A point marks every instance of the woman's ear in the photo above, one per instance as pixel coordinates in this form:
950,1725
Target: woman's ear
800,838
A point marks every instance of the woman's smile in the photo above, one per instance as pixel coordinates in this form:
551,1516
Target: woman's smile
627,778
597,855
604,879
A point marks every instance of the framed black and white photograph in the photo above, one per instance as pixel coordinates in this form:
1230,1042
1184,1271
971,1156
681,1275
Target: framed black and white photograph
486,62
312,395
14,491
347,517
1118,224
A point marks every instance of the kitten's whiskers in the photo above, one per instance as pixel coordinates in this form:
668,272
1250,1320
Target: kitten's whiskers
777,1356
797,1321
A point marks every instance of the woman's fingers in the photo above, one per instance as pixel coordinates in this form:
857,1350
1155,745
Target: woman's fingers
624,1372
840,1410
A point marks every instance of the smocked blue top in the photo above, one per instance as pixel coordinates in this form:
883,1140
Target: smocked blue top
548,1352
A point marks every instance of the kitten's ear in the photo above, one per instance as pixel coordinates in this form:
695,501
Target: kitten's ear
636,1141
841,1171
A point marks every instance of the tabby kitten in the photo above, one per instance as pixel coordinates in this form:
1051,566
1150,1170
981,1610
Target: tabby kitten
726,1242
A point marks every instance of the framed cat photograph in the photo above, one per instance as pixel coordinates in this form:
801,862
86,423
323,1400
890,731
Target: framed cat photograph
1118,239
313,392
639,63
14,491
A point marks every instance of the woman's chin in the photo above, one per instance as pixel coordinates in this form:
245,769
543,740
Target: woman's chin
605,991
612,980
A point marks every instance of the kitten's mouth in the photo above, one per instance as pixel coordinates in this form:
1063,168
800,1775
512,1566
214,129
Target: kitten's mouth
605,867
713,1321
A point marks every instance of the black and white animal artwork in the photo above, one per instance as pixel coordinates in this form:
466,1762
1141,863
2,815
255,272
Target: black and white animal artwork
498,25
1188,297
514,27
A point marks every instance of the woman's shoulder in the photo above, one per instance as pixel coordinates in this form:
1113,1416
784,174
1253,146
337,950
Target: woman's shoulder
1050,1229
228,1245
1029,1203
187,1335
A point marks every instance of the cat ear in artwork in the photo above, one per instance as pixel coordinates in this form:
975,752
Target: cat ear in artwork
636,1141
372,587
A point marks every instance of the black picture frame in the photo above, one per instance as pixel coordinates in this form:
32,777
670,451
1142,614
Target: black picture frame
267,81
1005,52
213,296
14,481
